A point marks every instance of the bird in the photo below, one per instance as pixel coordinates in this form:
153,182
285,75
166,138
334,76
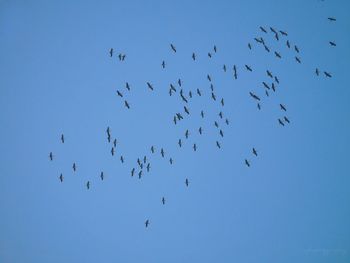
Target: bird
190,94
144,159
186,182
277,54
148,167
122,158
171,160
263,29
209,54
332,43
254,96
179,82
255,152
259,107
332,19
115,143
193,56
273,87
220,114
111,52
296,48
208,77
286,119
74,167
163,200
62,138
267,93
221,133
127,86
265,85
112,151
235,71
269,73
152,149
283,33
140,174
200,130
202,114
163,64
247,163
276,79
248,68
276,36
120,94
218,144
186,110
194,147
51,156
147,221
283,107
186,134
213,96
215,49
249,46
149,86
280,122
180,143
109,138
173,48
61,178
224,68
288,44
216,124
327,74
162,152
120,56
127,104
298,60
273,30
102,176
222,101
226,121
132,172
199,92
317,72
266,48
88,185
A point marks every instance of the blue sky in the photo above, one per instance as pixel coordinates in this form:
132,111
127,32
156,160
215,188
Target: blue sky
291,205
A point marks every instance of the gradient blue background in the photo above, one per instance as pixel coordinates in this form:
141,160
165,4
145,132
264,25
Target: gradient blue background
291,205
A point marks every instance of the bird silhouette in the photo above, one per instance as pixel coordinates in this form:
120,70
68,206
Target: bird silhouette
255,152
111,52
88,185
74,167
247,163
173,48
61,178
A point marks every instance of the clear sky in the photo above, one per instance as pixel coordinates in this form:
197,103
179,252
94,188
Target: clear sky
290,205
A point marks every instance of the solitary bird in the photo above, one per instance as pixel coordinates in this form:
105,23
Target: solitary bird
163,64
235,71
209,54
163,200
193,56
327,74
74,167
186,182
332,19
162,152
147,221
88,185
247,163
102,176
62,138
173,47
283,107
61,178
51,156
254,96
255,152
248,68
186,110
332,43
149,86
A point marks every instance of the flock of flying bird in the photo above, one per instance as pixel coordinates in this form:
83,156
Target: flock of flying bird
143,164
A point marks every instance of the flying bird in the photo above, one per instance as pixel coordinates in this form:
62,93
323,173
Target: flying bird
266,48
283,33
115,143
278,55
163,64
255,152
186,134
147,221
173,47
194,147
127,86
332,19
208,77
218,144
235,71
269,73
186,110
199,92
288,44
51,156
122,158
298,60
327,74
222,101
102,176
209,54
248,68
332,43
280,122
180,142
62,138
193,56
120,94
127,104
249,46
263,29
149,86
296,48
254,96
283,107
247,163
74,167
215,49
202,114
186,182
317,72
111,52
162,152
88,185
61,178
163,200
224,68
152,149
286,119
112,151
200,130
